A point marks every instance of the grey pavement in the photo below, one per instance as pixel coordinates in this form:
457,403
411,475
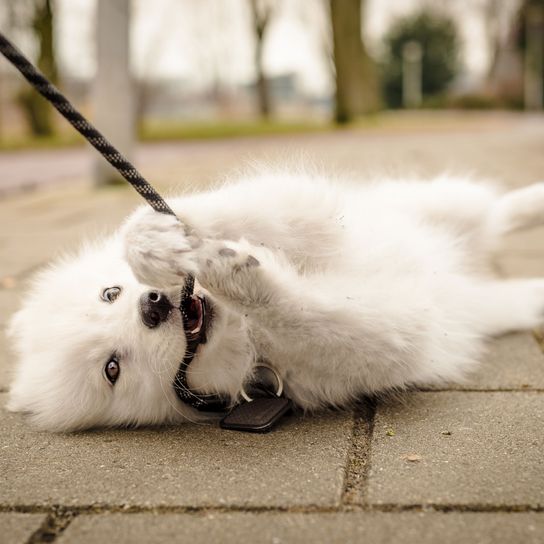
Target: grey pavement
459,448
456,465
188,466
17,527
318,528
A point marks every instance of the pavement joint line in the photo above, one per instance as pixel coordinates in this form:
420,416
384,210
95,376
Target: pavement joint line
457,508
64,514
475,390
358,457
54,524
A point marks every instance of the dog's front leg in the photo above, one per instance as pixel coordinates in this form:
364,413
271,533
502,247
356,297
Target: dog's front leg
160,250
244,276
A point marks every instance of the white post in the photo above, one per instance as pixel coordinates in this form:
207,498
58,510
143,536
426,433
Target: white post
411,74
534,61
113,92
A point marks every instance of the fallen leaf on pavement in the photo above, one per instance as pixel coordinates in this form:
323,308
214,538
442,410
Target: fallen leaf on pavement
413,457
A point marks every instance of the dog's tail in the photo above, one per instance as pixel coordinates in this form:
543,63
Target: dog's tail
518,210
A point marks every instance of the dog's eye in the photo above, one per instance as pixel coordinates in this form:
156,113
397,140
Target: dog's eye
112,370
110,294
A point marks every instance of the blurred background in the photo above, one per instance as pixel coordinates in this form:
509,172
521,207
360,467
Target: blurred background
186,69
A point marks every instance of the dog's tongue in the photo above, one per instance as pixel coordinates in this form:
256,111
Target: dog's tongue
195,315
194,318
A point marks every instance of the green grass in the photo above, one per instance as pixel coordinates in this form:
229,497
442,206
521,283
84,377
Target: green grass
55,141
154,131
161,131
171,131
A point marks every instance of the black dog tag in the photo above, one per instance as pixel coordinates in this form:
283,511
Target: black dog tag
257,416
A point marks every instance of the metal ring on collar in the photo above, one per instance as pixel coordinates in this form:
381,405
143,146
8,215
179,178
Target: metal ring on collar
277,376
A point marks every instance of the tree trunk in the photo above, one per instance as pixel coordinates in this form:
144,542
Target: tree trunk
261,17
534,57
357,89
263,96
36,109
113,89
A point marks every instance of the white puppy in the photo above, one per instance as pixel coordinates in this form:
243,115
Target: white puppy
344,290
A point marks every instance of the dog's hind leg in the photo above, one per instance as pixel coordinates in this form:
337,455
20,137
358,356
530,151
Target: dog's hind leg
478,213
466,206
518,210
504,306
458,204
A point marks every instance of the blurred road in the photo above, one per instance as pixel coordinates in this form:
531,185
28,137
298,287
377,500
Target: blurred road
379,148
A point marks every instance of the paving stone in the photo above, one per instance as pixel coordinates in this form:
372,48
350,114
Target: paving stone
27,252
514,361
493,455
64,206
300,463
17,528
285,528
34,232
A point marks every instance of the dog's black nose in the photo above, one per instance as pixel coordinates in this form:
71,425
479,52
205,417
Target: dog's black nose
154,308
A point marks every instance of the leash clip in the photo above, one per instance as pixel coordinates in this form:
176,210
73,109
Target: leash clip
263,406
264,373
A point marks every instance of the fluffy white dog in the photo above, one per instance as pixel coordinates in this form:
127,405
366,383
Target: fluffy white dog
344,289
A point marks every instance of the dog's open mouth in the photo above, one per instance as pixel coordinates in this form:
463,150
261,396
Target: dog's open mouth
196,318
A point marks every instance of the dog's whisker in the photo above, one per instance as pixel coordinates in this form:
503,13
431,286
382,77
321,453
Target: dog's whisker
176,409
201,395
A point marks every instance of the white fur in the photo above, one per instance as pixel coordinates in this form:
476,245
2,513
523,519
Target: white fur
345,289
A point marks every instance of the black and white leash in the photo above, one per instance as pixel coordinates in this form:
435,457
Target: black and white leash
127,170
86,129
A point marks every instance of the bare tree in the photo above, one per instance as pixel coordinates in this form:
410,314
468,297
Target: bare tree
261,11
357,90
37,15
491,18
533,22
113,87
498,17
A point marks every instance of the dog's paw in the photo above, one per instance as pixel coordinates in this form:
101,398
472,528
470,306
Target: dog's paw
232,270
159,249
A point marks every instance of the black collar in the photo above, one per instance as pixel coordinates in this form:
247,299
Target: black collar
202,403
